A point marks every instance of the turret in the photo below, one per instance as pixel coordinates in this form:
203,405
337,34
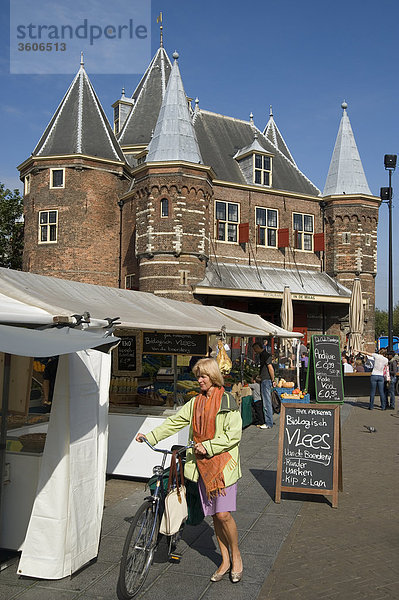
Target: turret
168,205
73,179
351,218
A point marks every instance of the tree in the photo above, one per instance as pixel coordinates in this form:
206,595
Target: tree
381,321
11,228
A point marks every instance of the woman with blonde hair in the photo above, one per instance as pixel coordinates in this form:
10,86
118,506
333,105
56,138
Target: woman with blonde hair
216,427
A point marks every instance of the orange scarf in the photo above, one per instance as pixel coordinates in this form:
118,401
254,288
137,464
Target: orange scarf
204,427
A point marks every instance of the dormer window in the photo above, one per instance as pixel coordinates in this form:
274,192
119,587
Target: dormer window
262,169
256,163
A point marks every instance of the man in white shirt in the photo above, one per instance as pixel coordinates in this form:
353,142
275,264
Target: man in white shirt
347,366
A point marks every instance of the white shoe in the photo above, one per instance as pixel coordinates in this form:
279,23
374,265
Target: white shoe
264,426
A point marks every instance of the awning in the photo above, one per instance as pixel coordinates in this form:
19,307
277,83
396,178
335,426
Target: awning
137,310
247,281
51,342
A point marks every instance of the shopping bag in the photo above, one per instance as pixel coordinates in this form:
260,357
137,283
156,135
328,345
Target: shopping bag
175,502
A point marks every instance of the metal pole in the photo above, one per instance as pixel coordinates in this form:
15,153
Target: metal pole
3,430
120,204
390,272
323,205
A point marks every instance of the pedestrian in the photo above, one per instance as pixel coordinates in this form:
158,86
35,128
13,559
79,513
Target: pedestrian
359,366
259,418
377,377
267,376
346,364
216,427
393,373
49,376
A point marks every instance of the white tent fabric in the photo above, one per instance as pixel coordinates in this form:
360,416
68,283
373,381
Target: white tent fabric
67,512
49,342
138,310
14,311
256,322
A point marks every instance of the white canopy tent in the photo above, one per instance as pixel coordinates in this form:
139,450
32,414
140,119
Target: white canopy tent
64,529
138,310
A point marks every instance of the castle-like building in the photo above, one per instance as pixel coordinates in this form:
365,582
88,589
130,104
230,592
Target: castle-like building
197,206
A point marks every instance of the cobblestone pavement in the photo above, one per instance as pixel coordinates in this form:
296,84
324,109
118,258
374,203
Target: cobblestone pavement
292,550
352,552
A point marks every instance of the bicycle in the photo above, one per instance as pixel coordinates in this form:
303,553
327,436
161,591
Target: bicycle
143,535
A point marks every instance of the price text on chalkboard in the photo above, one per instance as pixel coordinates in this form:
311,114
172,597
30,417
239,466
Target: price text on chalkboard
324,378
127,354
308,450
175,343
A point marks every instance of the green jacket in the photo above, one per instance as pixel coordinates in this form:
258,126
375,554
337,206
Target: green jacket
227,436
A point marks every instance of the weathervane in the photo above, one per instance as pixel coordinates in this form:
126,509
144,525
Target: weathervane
159,20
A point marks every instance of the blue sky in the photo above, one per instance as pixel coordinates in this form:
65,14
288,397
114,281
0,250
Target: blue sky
304,58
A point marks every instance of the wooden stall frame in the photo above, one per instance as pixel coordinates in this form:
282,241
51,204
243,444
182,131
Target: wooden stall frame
337,461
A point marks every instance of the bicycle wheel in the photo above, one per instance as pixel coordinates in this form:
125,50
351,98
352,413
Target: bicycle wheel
138,550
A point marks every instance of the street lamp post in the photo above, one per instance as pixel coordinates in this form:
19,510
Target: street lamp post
386,196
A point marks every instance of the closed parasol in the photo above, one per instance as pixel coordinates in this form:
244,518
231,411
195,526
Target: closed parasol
287,313
356,317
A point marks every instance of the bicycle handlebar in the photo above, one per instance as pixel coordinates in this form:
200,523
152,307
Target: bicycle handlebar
190,445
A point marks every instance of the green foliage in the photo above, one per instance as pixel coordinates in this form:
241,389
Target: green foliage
11,228
381,321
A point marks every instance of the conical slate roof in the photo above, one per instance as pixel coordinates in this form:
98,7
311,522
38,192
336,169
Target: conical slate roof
273,134
147,99
79,125
174,136
346,174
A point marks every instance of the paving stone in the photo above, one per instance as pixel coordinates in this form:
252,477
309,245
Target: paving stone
299,549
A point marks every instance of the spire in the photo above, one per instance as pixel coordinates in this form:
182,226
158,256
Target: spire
346,174
272,133
147,98
79,125
174,135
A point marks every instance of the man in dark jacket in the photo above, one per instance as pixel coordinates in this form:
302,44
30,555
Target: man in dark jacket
393,373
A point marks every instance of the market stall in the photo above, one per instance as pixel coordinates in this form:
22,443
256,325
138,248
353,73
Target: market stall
150,327
47,485
151,374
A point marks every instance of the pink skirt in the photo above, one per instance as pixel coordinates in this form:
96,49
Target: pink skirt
221,503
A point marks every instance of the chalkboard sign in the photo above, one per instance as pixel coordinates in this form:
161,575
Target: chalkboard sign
127,355
175,343
308,457
324,376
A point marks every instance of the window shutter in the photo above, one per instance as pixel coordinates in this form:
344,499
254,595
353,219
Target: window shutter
283,238
243,233
319,242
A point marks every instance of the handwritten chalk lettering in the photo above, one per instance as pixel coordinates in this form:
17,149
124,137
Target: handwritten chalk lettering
324,459
298,421
320,483
308,440
294,453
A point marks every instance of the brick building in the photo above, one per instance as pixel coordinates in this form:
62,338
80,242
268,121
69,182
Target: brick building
197,206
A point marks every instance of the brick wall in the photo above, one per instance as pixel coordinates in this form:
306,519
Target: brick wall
351,250
87,247
170,251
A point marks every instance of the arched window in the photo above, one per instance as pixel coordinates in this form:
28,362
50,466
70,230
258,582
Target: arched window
164,207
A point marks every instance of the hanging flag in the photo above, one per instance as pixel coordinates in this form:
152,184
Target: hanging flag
159,18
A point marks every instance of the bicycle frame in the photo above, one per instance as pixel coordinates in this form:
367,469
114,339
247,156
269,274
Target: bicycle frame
159,495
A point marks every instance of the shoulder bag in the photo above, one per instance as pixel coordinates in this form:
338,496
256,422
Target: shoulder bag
175,502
